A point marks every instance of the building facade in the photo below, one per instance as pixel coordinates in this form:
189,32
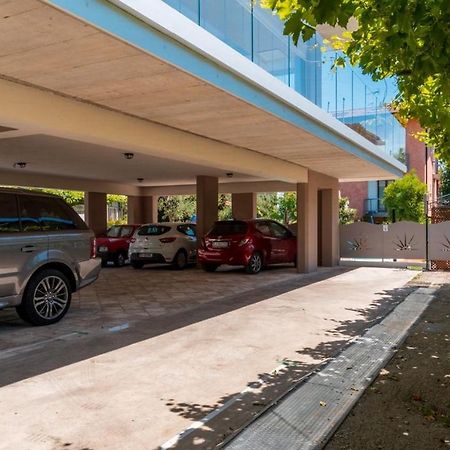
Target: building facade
367,197
148,98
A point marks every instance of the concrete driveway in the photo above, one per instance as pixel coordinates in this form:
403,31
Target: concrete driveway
146,354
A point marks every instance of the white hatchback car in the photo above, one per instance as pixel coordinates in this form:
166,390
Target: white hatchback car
166,243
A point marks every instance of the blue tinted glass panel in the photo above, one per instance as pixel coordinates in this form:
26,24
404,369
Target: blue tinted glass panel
230,21
270,47
189,8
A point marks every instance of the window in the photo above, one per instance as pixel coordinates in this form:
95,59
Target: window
263,228
228,227
381,186
47,214
278,231
188,230
153,230
9,218
119,231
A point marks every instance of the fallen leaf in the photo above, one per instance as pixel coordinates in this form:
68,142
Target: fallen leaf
323,404
384,372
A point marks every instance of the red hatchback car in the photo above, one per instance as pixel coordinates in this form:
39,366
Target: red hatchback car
113,246
249,243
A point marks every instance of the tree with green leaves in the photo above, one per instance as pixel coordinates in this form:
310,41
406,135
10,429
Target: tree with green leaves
406,197
346,214
444,184
405,39
281,207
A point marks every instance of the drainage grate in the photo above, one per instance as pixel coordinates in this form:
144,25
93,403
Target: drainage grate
307,417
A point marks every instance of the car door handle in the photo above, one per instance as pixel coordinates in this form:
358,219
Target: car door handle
28,248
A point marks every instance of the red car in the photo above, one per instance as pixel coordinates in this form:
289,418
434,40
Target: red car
114,245
249,243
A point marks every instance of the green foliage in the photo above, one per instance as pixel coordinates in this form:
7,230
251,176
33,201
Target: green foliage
73,198
225,212
277,206
405,39
346,214
444,184
121,200
122,221
174,208
406,197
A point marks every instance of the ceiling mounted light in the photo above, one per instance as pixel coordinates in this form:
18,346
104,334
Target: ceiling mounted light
128,155
20,165
140,180
230,174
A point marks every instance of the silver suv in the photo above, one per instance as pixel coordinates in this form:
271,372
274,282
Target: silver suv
46,253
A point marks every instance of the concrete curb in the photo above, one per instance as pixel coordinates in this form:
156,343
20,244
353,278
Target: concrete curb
308,416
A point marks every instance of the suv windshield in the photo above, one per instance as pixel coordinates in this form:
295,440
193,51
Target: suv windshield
229,227
119,231
153,230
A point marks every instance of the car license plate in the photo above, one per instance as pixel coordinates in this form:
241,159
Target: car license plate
103,249
220,244
146,255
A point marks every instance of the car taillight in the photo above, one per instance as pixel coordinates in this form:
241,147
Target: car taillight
167,240
243,242
93,247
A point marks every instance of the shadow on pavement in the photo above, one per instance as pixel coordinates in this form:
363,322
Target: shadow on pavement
77,346
271,387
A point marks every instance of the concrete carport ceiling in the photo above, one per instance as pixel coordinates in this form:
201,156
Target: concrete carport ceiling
55,156
90,61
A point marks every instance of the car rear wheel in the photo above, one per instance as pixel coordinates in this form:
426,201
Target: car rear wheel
210,267
119,259
137,264
46,299
180,261
255,263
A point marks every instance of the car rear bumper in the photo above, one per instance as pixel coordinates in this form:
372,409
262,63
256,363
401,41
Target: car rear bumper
156,258
233,258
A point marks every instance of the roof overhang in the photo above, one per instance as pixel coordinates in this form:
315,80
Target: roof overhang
149,70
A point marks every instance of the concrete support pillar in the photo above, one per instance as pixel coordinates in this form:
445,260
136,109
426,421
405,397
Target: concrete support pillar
142,209
95,211
317,223
207,203
306,228
244,205
329,227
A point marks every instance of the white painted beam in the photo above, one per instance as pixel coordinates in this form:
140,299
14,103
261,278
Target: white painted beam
49,113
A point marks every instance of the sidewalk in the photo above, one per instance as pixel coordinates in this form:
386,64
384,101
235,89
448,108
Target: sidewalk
408,405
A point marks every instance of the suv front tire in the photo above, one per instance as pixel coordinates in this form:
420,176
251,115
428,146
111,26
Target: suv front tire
46,299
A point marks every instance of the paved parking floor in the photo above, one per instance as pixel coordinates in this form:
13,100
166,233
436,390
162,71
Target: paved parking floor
145,354
124,295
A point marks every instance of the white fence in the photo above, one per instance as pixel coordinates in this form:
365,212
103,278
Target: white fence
401,240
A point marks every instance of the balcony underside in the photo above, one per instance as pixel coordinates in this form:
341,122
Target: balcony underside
44,47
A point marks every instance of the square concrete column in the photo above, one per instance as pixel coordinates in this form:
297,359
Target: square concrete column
207,203
95,211
142,209
243,205
329,227
307,227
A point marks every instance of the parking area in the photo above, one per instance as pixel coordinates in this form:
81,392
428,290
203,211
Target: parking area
125,295
143,355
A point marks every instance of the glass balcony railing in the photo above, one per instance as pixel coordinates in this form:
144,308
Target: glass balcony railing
374,206
345,93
